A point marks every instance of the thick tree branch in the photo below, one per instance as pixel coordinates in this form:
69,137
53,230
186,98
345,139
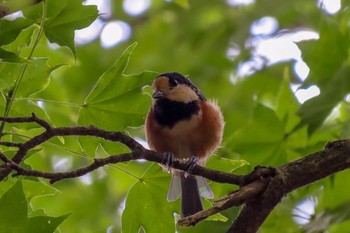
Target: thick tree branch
334,158
236,198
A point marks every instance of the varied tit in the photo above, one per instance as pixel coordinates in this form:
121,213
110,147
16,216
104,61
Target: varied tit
182,123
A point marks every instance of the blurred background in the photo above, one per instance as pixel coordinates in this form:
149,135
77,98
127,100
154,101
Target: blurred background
248,55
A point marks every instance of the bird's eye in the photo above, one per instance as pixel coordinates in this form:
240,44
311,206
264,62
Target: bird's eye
173,83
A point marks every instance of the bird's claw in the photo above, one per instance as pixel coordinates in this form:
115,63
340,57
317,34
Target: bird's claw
168,159
191,164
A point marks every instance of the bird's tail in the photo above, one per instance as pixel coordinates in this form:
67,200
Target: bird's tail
191,200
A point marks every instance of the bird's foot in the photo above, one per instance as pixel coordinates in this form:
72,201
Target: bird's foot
192,162
168,159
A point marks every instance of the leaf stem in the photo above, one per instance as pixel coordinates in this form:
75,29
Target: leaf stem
53,102
12,95
82,155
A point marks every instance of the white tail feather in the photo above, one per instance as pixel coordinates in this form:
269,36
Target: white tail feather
174,191
204,189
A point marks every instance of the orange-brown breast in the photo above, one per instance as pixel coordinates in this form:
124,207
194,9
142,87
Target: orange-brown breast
198,136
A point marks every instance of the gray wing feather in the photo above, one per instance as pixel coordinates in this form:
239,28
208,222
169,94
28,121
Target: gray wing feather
174,191
204,188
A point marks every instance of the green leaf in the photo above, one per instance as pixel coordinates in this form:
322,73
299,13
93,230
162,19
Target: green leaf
183,3
326,55
34,11
314,111
339,227
106,85
217,217
6,56
338,214
9,74
14,214
22,41
43,224
9,30
287,103
260,141
25,107
146,206
13,203
116,101
92,146
35,79
224,164
66,16
2,100
127,106
335,188
329,69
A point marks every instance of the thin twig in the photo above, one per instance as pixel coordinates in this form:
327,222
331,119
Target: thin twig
137,152
260,190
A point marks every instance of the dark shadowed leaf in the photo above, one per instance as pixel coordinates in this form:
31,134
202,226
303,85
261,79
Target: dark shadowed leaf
6,56
14,211
326,56
314,111
261,140
10,30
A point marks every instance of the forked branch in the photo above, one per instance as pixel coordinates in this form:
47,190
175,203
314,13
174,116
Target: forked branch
260,191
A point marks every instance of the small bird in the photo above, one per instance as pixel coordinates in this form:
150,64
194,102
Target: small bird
181,123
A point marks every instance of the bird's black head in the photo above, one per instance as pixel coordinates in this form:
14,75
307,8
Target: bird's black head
176,87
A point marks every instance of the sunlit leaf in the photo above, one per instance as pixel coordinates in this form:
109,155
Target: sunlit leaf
117,100
66,16
217,217
127,106
22,41
224,164
9,74
140,212
35,78
25,107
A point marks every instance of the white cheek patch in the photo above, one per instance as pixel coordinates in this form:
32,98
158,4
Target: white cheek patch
182,93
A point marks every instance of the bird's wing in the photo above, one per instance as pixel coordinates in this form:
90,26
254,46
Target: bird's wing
204,188
174,191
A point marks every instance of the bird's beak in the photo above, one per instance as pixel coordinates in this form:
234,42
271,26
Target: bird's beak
158,94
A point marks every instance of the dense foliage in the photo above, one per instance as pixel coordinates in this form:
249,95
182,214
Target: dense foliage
42,71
